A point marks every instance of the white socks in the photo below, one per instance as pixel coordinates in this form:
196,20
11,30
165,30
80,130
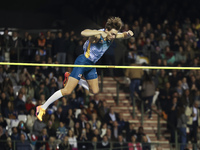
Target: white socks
52,99
58,94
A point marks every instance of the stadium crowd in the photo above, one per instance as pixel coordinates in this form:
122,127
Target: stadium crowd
73,120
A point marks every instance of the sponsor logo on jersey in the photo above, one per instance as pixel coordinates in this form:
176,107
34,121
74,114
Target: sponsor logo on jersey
80,75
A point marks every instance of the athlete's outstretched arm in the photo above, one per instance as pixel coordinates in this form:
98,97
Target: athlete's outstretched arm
124,34
93,33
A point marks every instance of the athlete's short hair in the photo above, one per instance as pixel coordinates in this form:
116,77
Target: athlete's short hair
113,23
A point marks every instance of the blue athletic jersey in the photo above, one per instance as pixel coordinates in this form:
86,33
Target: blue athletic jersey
94,51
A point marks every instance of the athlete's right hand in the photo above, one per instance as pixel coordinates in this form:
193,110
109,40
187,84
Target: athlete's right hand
104,34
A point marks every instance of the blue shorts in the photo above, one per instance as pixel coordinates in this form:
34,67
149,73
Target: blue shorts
88,73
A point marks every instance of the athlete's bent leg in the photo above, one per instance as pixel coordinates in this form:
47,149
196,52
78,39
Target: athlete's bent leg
94,85
67,90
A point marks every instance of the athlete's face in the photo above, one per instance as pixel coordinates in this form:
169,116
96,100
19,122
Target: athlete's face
111,34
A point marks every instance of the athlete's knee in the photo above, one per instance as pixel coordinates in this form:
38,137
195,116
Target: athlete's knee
65,91
95,91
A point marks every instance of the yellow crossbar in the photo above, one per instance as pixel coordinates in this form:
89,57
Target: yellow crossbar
97,66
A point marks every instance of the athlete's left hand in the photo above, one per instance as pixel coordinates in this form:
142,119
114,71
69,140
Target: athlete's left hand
130,33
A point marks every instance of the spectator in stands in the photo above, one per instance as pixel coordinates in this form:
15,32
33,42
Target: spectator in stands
148,91
60,81
140,135
58,114
109,135
116,131
91,110
23,129
23,76
31,118
94,144
136,28
121,122
72,139
65,144
51,144
83,140
165,96
180,56
120,145
58,72
102,110
29,105
194,121
9,144
130,131
163,42
184,84
4,101
145,144
193,84
3,122
13,76
148,48
65,106
29,90
187,99
179,89
16,45
28,52
38,126
168,55
19,104
154,42
77,129
135,76
53,85
111,117
23,144
96,101
71,49
182,125
59,49
82,121
103,129
61,131
155,55
2,74
96,134
70,120
9,111
42,89
172,117
88,131
131,43
95,124
6,39
75,103
50,130
15,134
105,144
189,54
42,139
41,43
174,79
49,41
80,94
134,145
11,94
7,84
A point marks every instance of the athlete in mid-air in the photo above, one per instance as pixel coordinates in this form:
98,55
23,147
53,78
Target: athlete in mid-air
96,45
